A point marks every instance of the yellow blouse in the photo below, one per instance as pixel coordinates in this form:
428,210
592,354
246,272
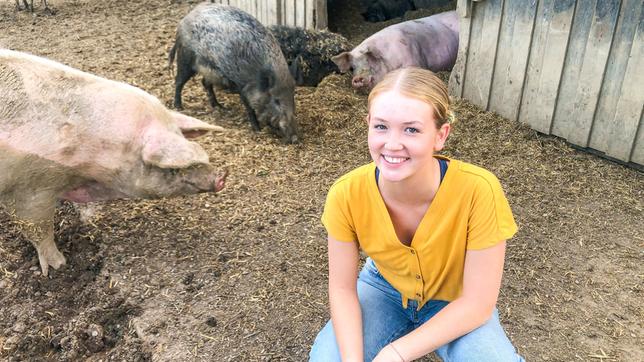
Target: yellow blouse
468,212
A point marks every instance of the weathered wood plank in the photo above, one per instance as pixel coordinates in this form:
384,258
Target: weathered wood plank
486,20
637,156
591,39
457,76
632,100
321,15
545,66
266,12
246,6
268,5
310,14
512,57
300,13
289,11
254,8
270,8
274,12
622,94
464,8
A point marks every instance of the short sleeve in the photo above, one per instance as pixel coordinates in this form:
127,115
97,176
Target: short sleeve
336,217
490,220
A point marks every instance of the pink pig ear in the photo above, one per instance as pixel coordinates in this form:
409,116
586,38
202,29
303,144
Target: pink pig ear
169,150
192,127
343,61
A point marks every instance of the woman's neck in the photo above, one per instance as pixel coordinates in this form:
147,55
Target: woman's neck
416,190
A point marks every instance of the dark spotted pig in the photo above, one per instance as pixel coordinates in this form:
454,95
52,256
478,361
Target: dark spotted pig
233,51
70,135
309,52
430,43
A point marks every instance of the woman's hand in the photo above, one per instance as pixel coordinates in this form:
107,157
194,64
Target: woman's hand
481,283
389,354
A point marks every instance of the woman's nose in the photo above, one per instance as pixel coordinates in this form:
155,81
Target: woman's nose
393,143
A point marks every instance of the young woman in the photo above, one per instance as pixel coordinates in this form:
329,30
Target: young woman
434,231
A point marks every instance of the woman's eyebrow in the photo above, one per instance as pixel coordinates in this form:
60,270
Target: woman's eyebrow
404,123
413,122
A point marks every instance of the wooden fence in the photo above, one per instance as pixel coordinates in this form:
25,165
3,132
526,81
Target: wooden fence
570,68
308,14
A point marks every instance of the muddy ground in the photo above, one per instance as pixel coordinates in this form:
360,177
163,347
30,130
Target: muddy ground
241,275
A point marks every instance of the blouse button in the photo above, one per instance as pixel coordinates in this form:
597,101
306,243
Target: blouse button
418,276
412,251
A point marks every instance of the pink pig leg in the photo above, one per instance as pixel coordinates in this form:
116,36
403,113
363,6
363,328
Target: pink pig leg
42,237
35,216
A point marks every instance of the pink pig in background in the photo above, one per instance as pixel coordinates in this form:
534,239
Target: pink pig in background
66,134
430,43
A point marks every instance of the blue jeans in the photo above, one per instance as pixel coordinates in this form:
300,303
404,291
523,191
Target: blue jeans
384,320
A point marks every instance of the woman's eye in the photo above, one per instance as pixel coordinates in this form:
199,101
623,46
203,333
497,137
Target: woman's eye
412,130
380,126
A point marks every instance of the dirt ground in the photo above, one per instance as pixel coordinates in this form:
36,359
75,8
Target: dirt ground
241,275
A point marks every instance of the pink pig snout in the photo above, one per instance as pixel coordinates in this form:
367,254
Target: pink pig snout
362,81
209,182
220,181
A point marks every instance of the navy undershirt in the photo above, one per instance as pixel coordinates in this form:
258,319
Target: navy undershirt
441,162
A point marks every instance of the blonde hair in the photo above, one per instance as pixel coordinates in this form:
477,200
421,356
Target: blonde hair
421,84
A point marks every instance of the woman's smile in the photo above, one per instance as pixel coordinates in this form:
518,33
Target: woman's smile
394,160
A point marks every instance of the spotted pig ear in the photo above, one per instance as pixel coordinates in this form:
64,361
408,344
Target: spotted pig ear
169,150
192,127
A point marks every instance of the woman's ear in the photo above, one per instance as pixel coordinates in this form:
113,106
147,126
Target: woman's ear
441,136
366,118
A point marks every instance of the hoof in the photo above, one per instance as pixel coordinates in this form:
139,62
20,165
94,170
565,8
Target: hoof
50,257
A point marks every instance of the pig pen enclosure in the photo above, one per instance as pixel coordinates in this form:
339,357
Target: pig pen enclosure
241,275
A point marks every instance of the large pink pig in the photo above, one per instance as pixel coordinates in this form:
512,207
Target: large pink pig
430,43
66,134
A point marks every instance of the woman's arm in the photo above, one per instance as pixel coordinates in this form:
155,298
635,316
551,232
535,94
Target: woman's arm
343,299
481,284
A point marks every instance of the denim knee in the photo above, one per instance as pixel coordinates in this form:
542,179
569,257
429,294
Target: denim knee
325,348
488,343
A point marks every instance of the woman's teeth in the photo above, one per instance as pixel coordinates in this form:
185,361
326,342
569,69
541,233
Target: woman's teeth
394,159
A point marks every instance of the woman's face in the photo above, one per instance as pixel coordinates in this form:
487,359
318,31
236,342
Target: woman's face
403,136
